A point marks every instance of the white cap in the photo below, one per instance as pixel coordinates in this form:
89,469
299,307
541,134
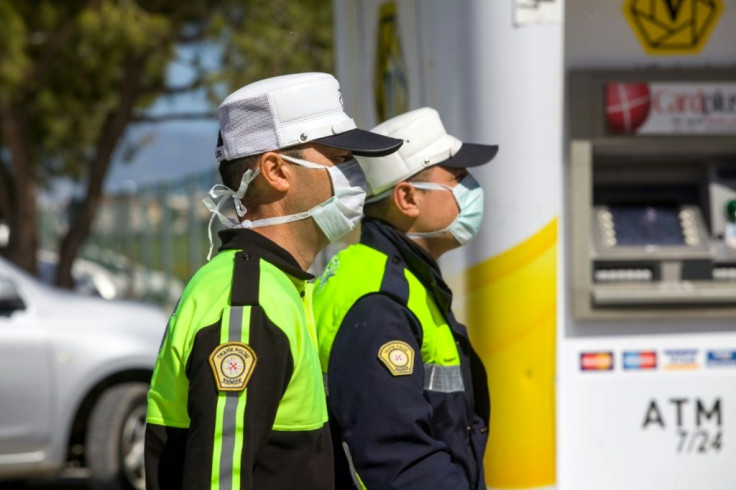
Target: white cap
290,110
426,143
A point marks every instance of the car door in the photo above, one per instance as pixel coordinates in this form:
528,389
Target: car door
25,377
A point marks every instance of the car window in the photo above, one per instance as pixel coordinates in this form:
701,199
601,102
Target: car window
10,298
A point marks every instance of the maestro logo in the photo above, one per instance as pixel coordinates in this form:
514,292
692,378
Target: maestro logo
640,360
627,106
672,26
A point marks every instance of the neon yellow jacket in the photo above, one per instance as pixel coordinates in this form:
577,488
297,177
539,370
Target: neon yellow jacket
237,389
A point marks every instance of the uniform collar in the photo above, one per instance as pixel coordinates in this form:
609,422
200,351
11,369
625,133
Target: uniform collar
254,243
389,240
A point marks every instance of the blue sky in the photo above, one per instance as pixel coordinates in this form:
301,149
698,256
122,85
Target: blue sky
177,148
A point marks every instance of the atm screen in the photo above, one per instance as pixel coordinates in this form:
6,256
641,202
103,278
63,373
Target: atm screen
647,225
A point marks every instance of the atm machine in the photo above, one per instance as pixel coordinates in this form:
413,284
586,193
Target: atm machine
653,195
647,392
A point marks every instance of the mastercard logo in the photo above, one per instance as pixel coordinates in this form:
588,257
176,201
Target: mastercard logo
596,361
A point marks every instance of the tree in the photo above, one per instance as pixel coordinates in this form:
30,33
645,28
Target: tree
75,74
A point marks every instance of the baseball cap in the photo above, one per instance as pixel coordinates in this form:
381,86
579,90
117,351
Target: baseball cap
290,110
426,143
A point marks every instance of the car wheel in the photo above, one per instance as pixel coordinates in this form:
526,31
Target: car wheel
115,435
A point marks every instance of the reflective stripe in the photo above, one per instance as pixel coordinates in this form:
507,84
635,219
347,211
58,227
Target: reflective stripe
443,379
353,473
231,422
228,439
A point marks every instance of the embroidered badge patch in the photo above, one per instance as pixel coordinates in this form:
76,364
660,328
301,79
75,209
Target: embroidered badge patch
232,364
398,357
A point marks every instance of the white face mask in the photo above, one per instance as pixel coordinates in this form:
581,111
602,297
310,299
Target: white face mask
469,197
336,217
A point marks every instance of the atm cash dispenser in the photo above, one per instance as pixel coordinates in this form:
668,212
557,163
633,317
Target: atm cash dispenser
652,194
646,396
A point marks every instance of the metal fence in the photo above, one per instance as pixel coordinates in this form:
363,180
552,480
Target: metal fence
150,239
146,242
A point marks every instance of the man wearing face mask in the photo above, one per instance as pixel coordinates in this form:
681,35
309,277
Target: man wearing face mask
237,396
407,394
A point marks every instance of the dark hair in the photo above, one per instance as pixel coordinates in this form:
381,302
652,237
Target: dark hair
231,171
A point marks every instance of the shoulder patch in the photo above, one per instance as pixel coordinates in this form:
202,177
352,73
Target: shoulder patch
398,357
232,364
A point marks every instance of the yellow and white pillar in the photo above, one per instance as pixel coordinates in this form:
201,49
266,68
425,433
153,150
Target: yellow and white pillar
494,70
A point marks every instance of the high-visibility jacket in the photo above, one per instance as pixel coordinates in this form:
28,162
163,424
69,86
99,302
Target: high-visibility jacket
237,397
407,394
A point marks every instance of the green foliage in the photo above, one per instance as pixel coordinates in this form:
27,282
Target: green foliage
13,43
277,37
65,65
75,73
65,69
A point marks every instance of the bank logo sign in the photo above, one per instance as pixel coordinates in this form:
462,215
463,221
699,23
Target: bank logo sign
672,26
641,108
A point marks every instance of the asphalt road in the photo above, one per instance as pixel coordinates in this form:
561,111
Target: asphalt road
66,483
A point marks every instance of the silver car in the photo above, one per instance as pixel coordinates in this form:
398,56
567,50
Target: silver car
74,372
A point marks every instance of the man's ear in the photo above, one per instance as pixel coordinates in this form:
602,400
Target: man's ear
276,173
405,198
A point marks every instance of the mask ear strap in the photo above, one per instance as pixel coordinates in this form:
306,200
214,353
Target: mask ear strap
217,198
304,163
431,186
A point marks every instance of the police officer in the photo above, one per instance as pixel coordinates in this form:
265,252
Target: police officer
237,396
408,395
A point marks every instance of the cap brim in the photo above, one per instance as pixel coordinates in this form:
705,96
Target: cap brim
471,155
362,142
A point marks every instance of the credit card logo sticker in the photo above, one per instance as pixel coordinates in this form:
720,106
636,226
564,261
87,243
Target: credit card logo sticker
680,359
596,361
640,360
721,357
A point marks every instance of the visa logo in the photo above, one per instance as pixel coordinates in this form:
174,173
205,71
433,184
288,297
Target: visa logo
596,361
721,357
640,360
